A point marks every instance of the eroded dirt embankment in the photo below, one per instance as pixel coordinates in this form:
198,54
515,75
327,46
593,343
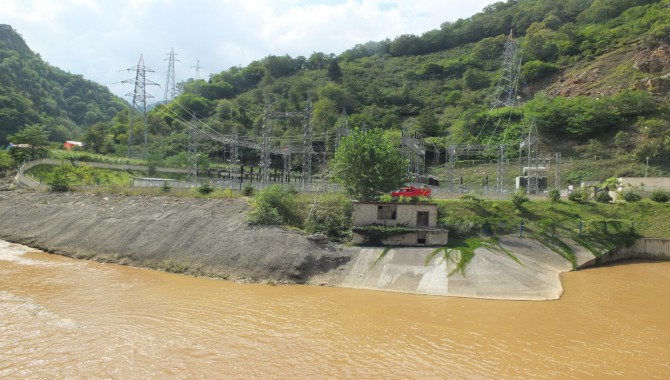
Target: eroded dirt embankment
186,235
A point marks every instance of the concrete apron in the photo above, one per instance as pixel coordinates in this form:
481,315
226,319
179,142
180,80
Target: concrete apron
490,274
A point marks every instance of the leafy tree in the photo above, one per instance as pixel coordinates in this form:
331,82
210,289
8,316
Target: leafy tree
334,71
35,137
96,137
368,165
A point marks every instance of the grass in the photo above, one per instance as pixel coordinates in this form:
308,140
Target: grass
559,219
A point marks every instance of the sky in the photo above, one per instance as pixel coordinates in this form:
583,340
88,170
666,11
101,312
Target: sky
101,39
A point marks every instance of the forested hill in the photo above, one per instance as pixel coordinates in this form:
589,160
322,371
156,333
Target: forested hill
34,92
595,77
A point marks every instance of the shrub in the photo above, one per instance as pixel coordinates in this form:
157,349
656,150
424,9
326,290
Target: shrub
276,205
166,187
603,197
554,195
331,216
60,180
631,196
205,188
519,198
470,197
660,196
248,190
579,195
6,161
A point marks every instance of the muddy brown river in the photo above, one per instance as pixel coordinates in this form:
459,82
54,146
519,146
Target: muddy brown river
63,318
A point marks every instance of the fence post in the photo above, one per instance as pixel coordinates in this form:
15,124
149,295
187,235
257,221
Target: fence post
521,229
581,226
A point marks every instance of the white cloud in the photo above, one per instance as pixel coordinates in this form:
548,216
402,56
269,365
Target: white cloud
99,38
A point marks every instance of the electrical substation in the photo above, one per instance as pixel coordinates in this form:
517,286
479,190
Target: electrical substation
301,160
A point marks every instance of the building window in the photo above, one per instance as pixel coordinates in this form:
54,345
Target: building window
387,212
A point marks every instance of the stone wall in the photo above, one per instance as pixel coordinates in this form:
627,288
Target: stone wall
649,183
648,248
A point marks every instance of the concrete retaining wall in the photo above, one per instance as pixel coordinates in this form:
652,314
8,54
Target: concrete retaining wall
648,248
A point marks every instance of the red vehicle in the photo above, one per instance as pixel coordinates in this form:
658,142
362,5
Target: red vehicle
411,191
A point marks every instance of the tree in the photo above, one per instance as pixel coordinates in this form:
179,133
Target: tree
334,71
367,165
34,136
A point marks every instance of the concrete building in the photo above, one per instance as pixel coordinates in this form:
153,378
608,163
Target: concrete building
419,219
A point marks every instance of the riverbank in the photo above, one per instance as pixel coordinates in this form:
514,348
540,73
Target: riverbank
204,237
210,237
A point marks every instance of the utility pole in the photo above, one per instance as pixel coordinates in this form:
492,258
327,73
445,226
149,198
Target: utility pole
139,105
197,68
170,86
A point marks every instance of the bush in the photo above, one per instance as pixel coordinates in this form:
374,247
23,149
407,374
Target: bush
6,161
248,190
603,197
166,187
660,196
205,188
469,197
60,180
276,205
519,198
579,195
554,195
631,196
331,216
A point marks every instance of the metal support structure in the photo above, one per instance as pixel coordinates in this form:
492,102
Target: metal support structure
342,128
501,179
450,176
192,158
307,149
265,147
287,166
197,68
170,85
558,170
506,92
139,106
414,151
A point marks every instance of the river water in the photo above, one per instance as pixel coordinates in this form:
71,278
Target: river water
64,318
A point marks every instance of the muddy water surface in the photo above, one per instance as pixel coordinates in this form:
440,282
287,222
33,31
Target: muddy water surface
63,318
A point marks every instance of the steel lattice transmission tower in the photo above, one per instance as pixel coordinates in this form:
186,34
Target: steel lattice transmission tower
170,85
507,88
139,106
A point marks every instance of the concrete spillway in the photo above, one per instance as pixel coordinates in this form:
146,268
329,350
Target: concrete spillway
492,274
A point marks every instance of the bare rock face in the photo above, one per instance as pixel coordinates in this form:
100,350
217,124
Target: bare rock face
653,60
577,84
656,86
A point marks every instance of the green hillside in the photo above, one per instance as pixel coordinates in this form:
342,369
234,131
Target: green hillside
34,92
594,81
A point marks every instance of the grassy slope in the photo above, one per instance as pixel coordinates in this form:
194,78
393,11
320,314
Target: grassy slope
649,219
